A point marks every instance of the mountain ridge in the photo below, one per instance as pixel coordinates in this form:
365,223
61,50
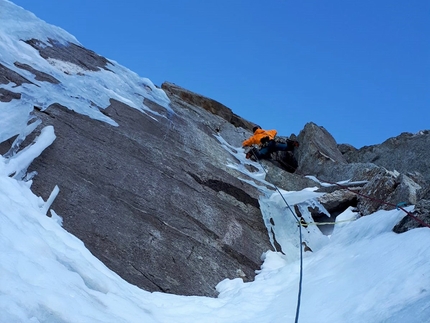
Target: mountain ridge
145,173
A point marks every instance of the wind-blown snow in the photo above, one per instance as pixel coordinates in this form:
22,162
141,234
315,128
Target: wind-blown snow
363,272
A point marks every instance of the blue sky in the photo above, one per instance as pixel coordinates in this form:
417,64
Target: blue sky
361,69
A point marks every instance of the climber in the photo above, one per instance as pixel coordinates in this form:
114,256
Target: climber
265,139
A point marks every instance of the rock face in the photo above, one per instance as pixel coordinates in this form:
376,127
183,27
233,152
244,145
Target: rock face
319,156
383,186
404,153
318,150
406,176
8,76
154,199
181,95
421,212
71,53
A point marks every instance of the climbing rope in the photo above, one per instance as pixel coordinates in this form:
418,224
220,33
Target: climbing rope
299,295
397,206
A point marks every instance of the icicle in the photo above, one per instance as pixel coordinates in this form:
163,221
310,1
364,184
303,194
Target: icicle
45,207
18,164
21,137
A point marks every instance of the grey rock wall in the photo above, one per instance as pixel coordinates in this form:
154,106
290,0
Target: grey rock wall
405,153
153,199
389,173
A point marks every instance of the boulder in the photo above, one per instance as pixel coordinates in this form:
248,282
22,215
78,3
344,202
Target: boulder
338,201
387,190
317,152
421,211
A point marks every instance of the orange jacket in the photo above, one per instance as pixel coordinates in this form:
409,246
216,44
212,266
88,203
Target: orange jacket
258,135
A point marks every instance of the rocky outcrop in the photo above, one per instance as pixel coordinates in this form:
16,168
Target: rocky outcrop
338,201
39,75
7,96
318,150
8,76
379,188
421,212
404,153
319,156
179,94
406,157
72,53
389,189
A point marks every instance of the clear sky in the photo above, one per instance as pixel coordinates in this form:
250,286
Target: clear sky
361,69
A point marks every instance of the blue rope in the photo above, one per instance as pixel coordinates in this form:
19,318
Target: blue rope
300,246
301,255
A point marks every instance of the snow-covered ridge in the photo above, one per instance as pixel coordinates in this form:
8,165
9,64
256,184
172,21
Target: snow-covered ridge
86,92
12,16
